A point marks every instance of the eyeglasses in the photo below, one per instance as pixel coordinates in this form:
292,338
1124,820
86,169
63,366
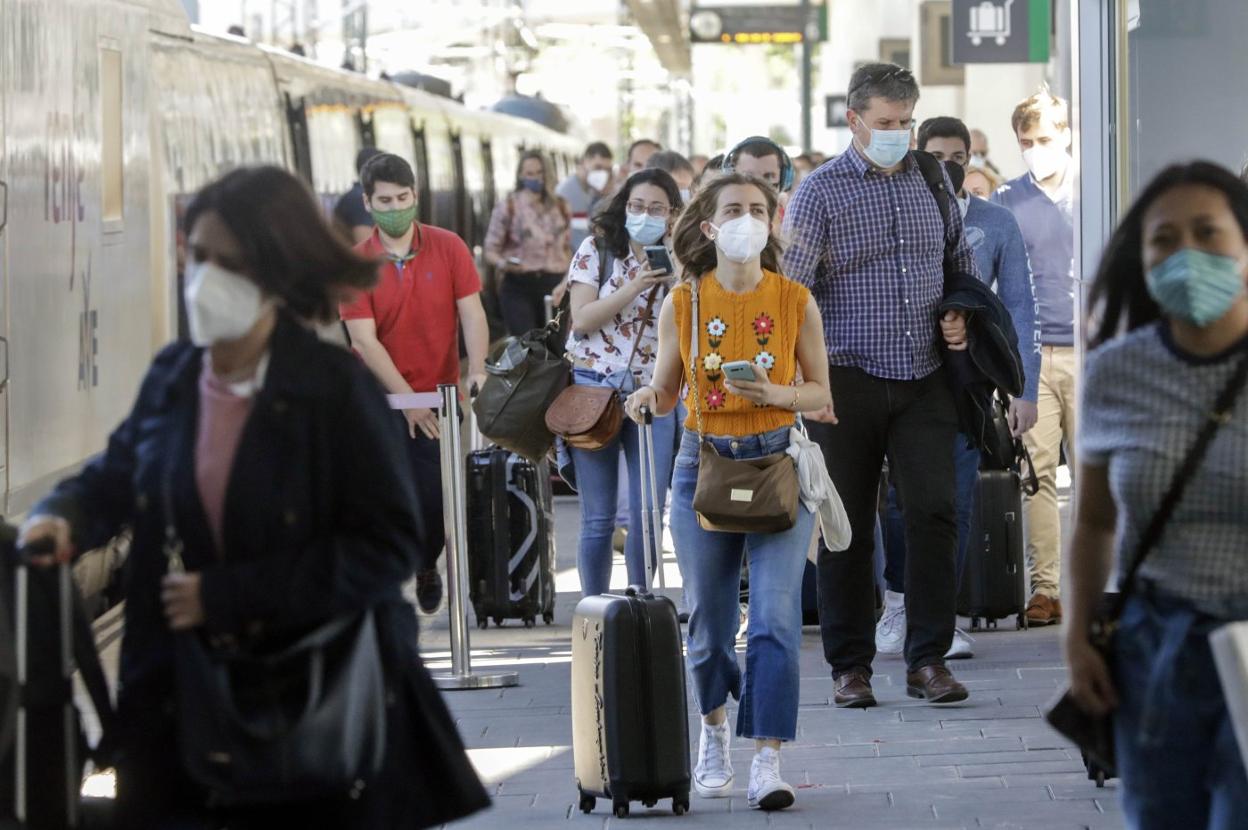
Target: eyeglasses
656,210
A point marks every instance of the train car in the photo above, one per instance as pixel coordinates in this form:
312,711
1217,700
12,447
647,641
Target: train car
112,114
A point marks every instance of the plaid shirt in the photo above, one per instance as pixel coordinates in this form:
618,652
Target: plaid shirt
871,248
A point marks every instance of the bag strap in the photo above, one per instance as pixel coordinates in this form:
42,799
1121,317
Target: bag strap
693,354
606,262
1220,414
934,175
641,327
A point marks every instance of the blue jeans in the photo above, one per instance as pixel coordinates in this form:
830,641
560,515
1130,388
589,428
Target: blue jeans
710,564
966,476
1177,756
598,482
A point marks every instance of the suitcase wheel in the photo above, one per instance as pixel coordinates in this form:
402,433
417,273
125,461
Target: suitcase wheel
483,623
620,808
498,622
680,805
588,803
975,623
529,622
1100,778
548,617
1021,622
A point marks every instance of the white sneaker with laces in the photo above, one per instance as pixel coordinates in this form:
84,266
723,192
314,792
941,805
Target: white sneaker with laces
963,646
712,777
890,631
767,789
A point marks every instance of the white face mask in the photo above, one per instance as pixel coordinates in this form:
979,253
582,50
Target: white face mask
742,239
978,160
220,305
597,179
964,204
1044,160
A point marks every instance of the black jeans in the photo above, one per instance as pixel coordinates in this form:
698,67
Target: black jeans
426,458
522,296
914,423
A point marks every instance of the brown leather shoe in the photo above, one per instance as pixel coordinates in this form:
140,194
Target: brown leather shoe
1044,610
935,684
853,689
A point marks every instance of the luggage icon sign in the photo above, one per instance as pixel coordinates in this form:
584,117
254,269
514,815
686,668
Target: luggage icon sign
990,20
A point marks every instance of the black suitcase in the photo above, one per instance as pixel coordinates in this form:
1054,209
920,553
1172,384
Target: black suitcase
44,749
511,538
630,722
994,582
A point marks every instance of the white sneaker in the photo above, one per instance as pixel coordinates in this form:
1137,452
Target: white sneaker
890,631
767,789
743,621
712,777
963,646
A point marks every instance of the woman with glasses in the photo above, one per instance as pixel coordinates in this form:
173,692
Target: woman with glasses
615,297
528,243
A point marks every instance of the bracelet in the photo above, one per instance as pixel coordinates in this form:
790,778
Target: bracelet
795,388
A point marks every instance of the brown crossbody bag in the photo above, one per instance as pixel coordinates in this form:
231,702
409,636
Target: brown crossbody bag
751,495
590,417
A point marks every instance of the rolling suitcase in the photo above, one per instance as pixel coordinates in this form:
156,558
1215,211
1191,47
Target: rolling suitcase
630,727
45,750
994,582
511,538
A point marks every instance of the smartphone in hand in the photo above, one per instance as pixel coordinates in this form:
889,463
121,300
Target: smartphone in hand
739,370
659,259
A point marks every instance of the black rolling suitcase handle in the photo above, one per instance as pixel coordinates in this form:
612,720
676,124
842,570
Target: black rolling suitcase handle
77,646
649,499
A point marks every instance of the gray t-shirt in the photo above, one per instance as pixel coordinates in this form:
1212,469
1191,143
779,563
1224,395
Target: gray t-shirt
1144,401
581,200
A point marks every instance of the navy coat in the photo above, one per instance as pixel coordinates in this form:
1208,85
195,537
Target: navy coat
320,518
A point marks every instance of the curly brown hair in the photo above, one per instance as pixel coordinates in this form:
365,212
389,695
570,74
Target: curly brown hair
691,247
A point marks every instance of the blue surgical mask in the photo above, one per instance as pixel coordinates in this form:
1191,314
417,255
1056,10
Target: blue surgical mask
887,147
532,185
645,229
1196,286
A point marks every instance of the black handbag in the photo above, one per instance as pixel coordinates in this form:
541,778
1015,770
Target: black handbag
525,375
1094,735
290,717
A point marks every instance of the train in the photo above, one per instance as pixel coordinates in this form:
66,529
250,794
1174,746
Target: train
113,113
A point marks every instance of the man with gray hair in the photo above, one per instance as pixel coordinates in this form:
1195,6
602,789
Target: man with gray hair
868,239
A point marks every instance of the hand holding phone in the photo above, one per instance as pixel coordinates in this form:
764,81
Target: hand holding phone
659,259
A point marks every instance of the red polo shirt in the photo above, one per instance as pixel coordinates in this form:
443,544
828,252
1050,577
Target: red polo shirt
414,306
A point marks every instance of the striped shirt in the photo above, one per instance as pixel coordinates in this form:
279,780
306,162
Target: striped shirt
1144,401
871,247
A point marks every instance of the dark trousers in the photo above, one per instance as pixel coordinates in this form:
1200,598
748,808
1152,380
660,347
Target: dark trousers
914,423
522,297
426,458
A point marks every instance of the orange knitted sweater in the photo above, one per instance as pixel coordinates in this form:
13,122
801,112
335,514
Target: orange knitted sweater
761,326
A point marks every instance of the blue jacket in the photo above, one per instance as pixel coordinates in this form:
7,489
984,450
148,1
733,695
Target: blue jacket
1001,254
320,518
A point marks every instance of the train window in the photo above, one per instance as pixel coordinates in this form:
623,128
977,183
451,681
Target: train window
112,158
424,190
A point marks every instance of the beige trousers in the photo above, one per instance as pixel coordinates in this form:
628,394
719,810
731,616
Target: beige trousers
1055,427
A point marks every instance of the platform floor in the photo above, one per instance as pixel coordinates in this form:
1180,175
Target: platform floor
991,762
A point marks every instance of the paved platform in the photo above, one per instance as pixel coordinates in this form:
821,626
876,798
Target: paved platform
991,762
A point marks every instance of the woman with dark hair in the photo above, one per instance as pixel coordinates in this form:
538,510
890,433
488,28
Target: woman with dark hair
614,298
1170,327
261,473
743,309
528,242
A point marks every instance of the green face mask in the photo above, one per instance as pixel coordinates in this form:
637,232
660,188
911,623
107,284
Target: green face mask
395,223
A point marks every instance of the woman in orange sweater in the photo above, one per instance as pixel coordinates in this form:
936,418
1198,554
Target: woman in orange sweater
745,311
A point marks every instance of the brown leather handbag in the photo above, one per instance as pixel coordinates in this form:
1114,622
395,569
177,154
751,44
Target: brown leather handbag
747,495
590,417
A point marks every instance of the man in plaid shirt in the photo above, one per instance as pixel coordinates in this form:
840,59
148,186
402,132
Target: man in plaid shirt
866,236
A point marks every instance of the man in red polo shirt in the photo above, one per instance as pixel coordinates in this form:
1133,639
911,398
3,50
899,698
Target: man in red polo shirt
407,330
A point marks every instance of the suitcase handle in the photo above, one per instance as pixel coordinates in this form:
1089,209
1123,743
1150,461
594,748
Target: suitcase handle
649,491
